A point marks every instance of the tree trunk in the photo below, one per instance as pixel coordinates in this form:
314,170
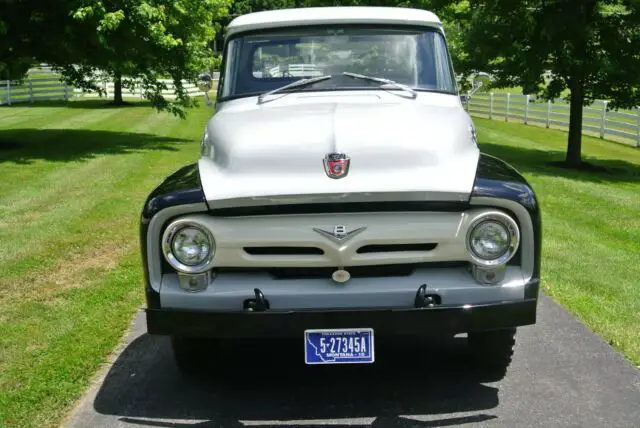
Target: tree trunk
574,146
117,90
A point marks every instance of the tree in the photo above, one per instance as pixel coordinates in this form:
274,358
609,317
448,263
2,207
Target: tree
137,43
586,47
24,35
133,42
450,12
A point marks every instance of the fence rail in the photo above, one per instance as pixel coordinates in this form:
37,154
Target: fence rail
45,86
624,125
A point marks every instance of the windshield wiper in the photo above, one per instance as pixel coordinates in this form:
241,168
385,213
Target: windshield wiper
297,84
413,93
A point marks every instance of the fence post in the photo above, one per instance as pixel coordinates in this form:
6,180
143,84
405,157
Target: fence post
603,118
30,91
9,92
526,109
506,116
548,113
638,128
491,105
468,99
66,91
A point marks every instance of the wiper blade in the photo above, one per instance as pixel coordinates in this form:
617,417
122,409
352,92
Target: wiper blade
413,93
297,84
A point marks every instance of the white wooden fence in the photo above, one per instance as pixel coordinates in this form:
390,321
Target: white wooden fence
623,126
50,87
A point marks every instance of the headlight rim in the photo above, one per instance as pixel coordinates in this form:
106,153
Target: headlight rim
167,239
514,238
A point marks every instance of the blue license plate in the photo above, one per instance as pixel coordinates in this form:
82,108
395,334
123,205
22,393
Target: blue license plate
338,346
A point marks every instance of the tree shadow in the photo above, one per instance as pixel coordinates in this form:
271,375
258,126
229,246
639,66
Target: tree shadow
83,104
24,146
545,162
411,383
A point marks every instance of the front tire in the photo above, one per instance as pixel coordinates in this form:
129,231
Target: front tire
493,350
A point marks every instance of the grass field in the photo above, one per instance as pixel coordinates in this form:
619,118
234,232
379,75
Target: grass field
591,225
73,182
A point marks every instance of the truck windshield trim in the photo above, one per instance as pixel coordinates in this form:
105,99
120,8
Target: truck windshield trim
261,61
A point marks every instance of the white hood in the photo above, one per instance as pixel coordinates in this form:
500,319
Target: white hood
402,150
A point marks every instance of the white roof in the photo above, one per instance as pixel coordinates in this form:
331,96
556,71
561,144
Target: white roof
332,15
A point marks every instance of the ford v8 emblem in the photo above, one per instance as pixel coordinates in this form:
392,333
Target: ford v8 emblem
336,165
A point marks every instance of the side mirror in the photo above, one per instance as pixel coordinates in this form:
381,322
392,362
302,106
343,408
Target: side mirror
466,97
205,82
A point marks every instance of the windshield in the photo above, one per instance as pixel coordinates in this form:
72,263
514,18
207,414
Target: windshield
264,61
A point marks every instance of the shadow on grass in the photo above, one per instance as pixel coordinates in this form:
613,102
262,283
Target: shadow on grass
541,162
23,146
88,104
92,103
411,384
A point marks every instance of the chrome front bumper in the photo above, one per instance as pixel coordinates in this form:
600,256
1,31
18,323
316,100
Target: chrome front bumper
453,286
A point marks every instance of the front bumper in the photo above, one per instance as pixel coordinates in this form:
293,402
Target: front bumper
443,319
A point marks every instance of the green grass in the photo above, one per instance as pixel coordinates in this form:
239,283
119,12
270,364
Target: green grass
74,178
75,175
591,225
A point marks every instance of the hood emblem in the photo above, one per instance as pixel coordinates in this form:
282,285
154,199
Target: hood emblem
336,165
339,233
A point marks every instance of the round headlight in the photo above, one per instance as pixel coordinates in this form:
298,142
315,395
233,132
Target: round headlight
489,240
188,247
493,239
191,246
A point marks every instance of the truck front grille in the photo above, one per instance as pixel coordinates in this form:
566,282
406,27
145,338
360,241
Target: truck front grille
355,271
283,251
395,248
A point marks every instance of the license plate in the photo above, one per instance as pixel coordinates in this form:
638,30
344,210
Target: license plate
339,346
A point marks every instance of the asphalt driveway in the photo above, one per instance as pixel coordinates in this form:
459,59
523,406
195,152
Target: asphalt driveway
562,376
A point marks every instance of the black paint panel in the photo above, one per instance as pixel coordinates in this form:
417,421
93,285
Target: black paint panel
386,321
497,179
180,188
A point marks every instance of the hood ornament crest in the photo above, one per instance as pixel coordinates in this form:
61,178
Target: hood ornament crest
336,165
339,233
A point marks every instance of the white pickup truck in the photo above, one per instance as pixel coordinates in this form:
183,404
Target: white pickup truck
340,206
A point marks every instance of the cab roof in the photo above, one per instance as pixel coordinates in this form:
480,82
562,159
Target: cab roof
332,15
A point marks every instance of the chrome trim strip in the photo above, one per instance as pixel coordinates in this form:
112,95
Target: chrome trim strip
311,198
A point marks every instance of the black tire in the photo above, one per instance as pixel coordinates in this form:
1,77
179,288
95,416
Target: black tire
193,356
492,350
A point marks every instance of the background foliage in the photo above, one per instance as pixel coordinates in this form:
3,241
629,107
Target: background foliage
585,48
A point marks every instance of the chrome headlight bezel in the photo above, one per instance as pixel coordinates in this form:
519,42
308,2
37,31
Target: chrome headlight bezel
513,241
167,245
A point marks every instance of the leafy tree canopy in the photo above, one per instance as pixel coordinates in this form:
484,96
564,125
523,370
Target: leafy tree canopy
588,47
130,41
450,12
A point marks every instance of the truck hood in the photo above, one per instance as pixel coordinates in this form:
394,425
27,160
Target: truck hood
400,151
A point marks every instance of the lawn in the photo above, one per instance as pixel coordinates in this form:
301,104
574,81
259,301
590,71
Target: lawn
591,225
73,183
75,178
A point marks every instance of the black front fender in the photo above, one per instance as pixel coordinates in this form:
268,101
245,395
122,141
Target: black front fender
497,179
183,187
